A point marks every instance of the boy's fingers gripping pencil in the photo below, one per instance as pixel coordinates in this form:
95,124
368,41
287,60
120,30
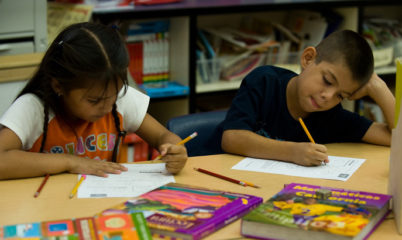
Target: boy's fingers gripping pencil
243,183
308,133
75,189
41,186
193,135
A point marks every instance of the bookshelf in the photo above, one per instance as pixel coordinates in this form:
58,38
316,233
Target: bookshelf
186,16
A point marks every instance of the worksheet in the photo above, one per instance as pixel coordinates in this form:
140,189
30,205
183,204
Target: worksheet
338,168
139,179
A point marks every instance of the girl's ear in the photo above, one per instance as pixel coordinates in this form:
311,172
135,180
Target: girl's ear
308,56
56,87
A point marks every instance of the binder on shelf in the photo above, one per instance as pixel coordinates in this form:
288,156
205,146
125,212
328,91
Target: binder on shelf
164,89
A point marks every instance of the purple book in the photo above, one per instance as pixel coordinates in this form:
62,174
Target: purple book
188,212
301,211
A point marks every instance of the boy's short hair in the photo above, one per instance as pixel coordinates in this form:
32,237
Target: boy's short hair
352,49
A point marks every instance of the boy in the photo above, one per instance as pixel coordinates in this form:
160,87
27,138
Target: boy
262,121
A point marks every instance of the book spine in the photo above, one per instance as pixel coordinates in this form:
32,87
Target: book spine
227,217
140,224
86,228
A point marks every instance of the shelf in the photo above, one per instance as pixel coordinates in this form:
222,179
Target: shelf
385,70
217,86
189,15
223,85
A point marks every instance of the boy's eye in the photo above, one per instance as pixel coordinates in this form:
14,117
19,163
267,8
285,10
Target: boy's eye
340,96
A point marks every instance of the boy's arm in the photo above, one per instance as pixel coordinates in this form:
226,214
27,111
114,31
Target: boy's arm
247,143
17,163
377,89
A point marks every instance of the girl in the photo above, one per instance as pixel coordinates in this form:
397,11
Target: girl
78,104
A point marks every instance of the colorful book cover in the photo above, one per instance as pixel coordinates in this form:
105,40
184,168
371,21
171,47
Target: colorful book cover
314,211
118,226
187,212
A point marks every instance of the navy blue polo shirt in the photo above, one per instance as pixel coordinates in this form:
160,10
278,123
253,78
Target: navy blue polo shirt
260,106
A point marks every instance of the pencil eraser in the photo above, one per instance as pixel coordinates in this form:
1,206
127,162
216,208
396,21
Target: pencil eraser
323,193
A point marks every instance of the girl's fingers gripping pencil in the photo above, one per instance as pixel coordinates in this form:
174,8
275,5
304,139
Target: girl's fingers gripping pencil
193,135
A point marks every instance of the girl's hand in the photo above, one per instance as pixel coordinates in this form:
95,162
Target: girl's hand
175,157
93,167
309,154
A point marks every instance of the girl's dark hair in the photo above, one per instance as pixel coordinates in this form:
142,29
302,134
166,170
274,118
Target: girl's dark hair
82,55
350,48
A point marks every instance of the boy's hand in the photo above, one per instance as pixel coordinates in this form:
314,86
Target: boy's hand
93,167
309,154
175,157
369,89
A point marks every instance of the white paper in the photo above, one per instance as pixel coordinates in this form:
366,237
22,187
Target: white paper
338,168
139,179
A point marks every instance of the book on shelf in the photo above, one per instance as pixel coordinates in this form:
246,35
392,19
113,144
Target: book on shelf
149,60
209,51
117,226
242,39
110,5
238,70
315,212
148,47
137,149
187,212
309,26
147,27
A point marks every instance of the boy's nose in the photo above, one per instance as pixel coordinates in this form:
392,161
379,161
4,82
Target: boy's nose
328,94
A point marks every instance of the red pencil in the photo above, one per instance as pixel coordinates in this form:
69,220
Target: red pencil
243,183
41,185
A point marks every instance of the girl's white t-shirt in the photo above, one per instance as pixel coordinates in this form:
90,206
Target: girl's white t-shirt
90,139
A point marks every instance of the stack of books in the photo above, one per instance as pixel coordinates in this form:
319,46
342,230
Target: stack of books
177,211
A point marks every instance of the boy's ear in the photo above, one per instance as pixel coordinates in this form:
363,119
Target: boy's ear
308,56
56,87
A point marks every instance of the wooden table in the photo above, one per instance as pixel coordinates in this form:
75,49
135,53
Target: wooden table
17,204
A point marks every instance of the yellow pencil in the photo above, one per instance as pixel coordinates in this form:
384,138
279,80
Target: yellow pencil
308,134
306,130
74,191
193,135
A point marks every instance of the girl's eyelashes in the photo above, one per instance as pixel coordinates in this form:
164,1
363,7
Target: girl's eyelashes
326,81
93,101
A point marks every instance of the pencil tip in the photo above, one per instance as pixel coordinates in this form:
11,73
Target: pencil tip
71,196
36,195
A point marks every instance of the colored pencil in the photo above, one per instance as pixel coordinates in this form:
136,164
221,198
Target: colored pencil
193,135
75,189
306,130
41,186
243,183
